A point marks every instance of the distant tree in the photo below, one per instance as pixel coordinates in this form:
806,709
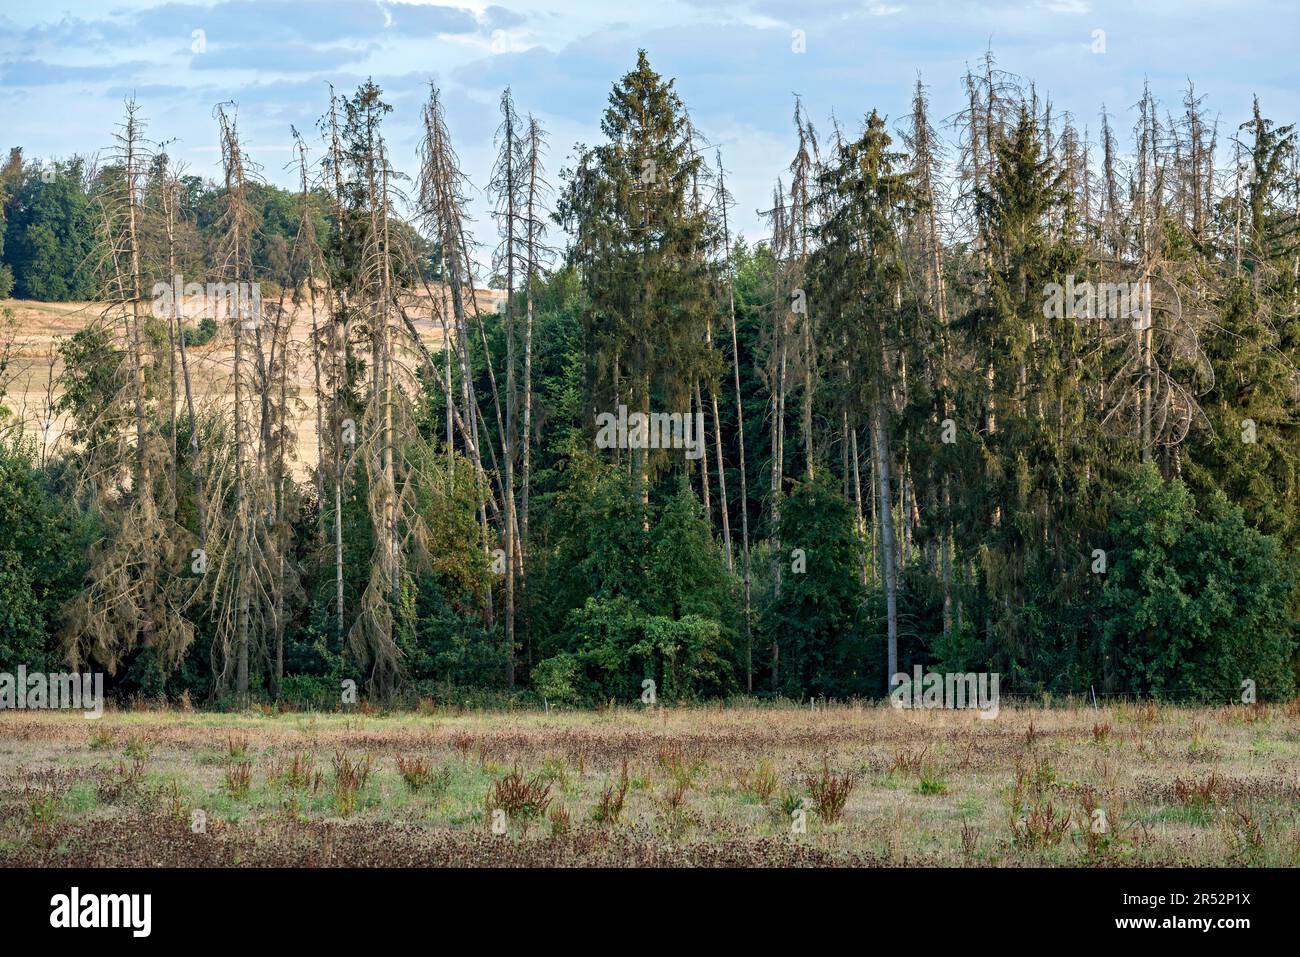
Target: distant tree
10,175
860,279
50,233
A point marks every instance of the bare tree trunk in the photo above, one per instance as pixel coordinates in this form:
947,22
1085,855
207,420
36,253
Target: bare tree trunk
740,430
509,190
194,452
339,369
722,471
704,457
857,498
778,459
885,519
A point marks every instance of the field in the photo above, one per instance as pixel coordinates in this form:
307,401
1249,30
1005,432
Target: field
1128,785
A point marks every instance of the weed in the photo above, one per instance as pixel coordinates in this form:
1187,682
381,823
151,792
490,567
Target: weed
931,783
416,771
1036,823
907,761
350,777
762,783
830,792
239,778
463,742
1199,794
120,781
300,774
1040,826
521,798
790,802
683,770
609,810
44,814
1244,835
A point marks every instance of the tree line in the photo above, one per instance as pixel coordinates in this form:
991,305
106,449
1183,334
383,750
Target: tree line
1005,397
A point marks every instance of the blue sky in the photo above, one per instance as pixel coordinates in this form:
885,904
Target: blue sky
66,66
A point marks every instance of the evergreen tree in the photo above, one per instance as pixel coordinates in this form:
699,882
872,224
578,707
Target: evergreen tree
636,243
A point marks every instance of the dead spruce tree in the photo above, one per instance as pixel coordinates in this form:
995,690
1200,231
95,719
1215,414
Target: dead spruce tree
509,183
724,203
399,467
338,367
244,567
441,208
133,597
518,184
308,271
537,255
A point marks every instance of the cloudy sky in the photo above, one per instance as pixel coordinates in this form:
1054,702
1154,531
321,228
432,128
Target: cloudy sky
67,65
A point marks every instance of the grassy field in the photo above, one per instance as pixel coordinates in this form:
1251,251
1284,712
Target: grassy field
1119,786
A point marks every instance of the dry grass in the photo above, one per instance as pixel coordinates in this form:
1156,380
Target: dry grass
682,787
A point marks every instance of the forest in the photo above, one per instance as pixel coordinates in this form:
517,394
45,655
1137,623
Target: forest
998,392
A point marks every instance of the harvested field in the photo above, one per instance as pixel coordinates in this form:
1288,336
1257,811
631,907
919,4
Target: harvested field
29,385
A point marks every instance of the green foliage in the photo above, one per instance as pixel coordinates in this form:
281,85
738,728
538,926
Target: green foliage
558,679
637,242
43,543
50,233
1195,601
202,334
816,620
662,611
93,383
615,647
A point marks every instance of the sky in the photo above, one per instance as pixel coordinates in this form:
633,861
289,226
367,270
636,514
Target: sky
66,67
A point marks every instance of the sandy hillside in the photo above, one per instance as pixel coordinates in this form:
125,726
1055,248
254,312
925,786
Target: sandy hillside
29,384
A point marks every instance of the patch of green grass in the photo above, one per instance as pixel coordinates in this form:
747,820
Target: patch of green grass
1197,815
81,798
931,783
971,806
